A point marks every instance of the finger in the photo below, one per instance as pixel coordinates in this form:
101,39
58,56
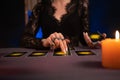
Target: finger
61,36
56,35
85,36
87,39
65,45
57,42
67,41
104,35
51,43
64,41
52,36
62,46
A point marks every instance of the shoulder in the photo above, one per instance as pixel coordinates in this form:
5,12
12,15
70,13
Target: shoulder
38,9
40,6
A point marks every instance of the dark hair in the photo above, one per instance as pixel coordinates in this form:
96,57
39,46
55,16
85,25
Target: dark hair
46,2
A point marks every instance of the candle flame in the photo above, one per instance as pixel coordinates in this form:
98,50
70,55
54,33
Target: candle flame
117,34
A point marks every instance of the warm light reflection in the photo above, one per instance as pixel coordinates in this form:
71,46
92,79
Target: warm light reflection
117,35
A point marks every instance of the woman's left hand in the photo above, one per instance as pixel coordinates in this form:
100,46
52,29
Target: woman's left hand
93,44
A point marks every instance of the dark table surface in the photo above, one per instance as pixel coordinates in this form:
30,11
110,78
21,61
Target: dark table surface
49,67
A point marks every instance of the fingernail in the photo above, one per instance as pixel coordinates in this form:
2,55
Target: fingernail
64,51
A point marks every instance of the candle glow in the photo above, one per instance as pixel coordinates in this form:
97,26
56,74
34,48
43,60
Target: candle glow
111,52
117,35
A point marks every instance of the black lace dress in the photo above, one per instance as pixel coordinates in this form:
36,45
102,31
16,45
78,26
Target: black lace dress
72,24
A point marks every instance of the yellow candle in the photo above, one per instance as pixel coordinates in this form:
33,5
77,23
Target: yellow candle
111,52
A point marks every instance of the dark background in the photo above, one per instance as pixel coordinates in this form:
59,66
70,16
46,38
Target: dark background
12,22
104,17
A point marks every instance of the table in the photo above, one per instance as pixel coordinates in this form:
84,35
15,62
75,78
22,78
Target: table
49,67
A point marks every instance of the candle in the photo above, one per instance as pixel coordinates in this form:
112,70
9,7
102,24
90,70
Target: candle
111,52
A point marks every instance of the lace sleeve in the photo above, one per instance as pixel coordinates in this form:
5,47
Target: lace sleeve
86,16
28,38
83,12
84,5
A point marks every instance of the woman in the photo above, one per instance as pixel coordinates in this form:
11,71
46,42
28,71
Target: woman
62,22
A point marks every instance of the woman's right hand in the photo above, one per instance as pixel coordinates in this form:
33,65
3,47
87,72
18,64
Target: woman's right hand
56,40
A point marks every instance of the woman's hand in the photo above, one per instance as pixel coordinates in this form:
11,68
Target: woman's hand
89,41
56,40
